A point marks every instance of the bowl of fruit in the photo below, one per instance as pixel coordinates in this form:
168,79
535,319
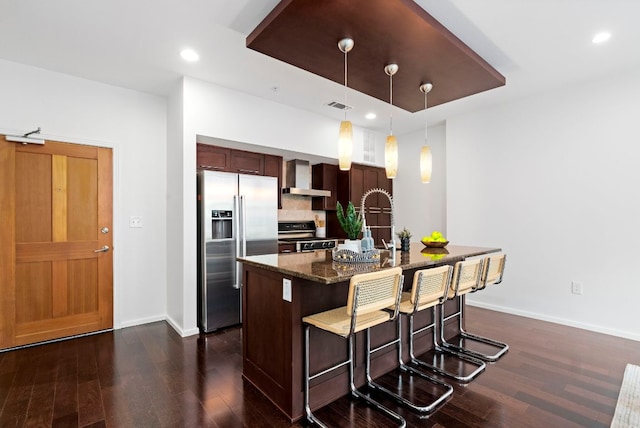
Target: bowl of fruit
436,240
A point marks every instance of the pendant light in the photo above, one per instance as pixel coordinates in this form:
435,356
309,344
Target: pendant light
391,146
426,161
345,137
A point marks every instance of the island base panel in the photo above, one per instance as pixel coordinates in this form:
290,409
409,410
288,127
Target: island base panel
273,340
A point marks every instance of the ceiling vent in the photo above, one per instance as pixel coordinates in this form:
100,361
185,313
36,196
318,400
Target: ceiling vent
339,106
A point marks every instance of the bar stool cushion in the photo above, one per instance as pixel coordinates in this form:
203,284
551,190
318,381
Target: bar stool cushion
338,321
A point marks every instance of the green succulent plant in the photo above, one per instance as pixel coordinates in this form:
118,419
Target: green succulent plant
350,221
404,234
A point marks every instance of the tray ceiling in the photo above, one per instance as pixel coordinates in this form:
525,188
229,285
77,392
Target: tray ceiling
305,33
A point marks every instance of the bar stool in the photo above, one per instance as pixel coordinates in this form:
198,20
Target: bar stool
369,295
493,269
429,288
470,276
429,291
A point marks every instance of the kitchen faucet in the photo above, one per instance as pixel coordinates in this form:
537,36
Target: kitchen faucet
391,246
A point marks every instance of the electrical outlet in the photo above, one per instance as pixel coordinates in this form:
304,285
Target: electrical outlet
135,221
286,289
576,287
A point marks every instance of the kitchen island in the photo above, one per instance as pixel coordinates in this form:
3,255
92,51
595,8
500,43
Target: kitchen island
280,289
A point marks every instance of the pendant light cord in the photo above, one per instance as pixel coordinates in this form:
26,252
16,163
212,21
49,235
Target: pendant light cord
391,104
425,118
345,84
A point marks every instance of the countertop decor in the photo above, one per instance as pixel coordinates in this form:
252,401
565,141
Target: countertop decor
435,244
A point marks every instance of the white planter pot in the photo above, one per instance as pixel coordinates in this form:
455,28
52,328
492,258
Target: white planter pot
352,245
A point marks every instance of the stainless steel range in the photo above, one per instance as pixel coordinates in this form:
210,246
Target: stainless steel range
303,234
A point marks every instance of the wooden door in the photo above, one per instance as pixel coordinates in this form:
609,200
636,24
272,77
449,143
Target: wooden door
55,216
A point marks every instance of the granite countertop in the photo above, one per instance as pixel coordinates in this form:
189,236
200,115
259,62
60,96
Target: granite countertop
318,265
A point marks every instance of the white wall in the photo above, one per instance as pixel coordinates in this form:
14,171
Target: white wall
421,207
133,124
552,179
219,112
175,211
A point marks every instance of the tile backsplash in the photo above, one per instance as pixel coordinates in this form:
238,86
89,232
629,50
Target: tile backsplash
298,208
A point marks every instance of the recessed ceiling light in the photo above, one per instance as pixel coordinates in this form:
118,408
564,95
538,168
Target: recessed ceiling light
370,116
189,55
601,37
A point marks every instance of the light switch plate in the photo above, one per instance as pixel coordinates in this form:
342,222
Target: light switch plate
135,221
286,289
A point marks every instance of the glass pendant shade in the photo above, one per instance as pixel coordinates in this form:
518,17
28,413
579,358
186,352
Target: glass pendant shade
391,146
391,157
345,145
426,160
426,164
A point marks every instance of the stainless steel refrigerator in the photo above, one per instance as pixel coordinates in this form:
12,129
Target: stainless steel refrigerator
237,216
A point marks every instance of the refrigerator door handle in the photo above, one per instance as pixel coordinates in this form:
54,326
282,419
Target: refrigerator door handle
243,218
241,241
237,236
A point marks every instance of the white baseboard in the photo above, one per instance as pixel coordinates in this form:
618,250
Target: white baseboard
141,321
591,327
180,331
168,319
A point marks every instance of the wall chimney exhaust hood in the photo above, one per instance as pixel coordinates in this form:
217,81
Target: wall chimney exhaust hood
298,180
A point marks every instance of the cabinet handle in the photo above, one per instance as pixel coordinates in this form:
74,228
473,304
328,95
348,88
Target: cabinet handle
211,167
252,171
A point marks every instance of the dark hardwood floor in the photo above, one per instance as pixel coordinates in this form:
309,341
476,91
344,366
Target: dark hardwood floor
147,376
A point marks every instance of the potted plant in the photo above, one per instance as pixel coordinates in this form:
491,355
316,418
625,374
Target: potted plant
351,223
404,236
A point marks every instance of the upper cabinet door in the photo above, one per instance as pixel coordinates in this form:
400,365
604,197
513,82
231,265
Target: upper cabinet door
212,158
325,176
273,168
371,182
356,184
384,183
247,162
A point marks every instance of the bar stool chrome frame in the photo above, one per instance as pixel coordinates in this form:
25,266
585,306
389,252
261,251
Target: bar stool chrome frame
429,288
429,291
470,276
369,295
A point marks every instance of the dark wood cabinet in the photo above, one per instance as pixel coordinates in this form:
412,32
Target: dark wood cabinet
286,247
212,157
384,216
246,162
273,168
324,176
239,161
352,185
